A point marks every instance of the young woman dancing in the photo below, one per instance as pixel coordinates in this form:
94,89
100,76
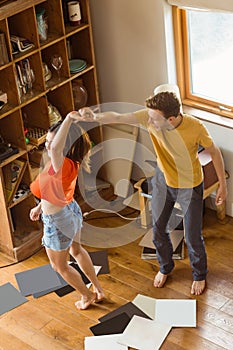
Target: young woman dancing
68,146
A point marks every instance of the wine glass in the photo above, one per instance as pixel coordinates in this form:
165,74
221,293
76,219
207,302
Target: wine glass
57,62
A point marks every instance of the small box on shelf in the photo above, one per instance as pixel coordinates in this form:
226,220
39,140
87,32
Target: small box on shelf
36,136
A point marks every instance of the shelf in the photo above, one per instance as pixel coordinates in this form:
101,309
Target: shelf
28,104
70,30
16,6
12,158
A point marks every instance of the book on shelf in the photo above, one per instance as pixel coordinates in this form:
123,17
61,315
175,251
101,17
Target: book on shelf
4,58
13,173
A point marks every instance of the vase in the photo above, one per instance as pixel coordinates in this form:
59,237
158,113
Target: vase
79,93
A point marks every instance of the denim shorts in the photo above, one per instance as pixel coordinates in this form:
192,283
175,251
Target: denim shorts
61,228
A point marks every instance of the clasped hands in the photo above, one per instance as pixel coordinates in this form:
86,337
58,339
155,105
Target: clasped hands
83,114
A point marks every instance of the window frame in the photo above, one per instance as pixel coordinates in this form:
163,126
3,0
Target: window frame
180,27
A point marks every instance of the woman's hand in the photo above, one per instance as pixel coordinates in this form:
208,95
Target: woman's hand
87,114
35,213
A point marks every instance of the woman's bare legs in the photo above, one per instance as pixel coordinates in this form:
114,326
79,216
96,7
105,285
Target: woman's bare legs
84,262
58,260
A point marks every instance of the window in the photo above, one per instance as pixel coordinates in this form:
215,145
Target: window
204,55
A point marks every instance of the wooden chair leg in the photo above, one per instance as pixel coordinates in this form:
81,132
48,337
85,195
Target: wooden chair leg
144,206
144,211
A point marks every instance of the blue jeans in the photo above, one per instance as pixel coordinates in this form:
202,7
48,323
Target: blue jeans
191,203
61,228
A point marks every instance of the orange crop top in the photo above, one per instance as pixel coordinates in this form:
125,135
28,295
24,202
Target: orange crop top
57,188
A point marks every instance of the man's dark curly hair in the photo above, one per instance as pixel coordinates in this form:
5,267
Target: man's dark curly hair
166,102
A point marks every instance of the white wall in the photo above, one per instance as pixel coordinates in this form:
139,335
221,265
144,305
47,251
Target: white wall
129,41
134,53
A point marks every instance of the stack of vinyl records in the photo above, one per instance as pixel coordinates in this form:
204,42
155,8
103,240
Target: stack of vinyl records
77,65
149,250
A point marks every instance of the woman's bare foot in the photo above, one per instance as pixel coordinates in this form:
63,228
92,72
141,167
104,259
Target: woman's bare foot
160,280
99,295
198,287
84,303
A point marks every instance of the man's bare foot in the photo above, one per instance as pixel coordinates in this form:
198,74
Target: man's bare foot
198,287
84,303
160,280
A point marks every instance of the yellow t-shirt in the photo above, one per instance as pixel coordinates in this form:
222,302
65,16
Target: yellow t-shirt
177,150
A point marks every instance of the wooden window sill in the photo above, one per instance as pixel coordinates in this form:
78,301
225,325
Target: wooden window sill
209,116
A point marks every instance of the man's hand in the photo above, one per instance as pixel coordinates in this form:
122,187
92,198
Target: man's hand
74,116
221,195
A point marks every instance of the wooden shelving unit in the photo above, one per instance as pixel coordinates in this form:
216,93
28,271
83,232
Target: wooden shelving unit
19,236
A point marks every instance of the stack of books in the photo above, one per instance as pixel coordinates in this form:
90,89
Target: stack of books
3,50
20,44
149,250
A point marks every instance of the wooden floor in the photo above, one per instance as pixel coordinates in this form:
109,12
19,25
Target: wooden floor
51,322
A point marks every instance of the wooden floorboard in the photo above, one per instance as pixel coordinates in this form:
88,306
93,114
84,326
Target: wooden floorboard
51,322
